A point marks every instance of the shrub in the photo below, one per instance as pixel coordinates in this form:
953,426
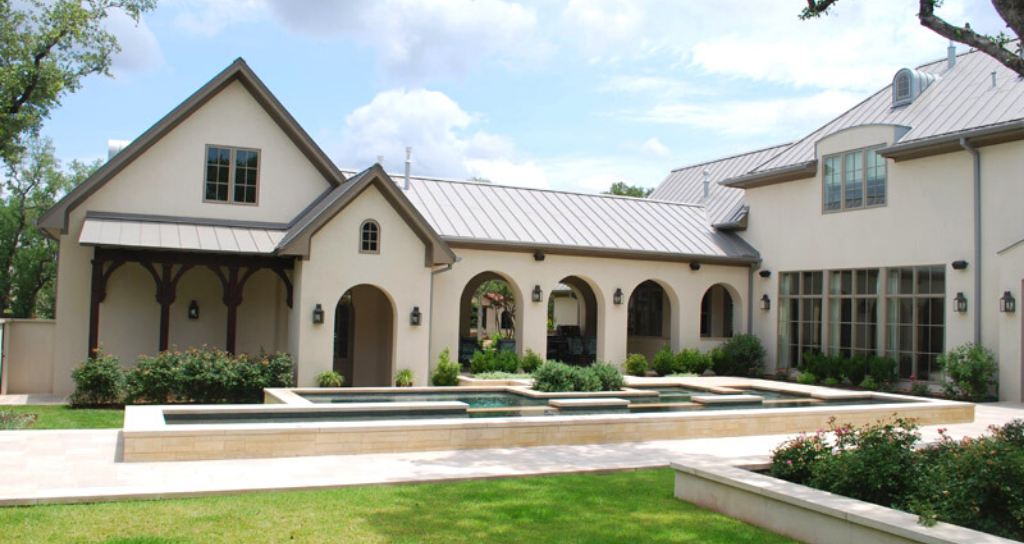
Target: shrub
741,355
404,378
154,379
883,371
99,380
330,379
501,376
693,361
446,373
869,383
636,364
482,361
1012,433
970,370
13,421
506,361
807,378
823,365
855,368
664,362
830,382
553,377
610,376
782,374
794,459
918,388
530,362
585,379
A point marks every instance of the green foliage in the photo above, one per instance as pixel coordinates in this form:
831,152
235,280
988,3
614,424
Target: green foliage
830,382
741,355
154,379
98,381
970,370
794,460
482,361
404,378
621,188
610,376
47,48
446,373
807,378
692,361
530,362
330,379
506,361
869,383
855,368
501,376
823,365
553,377
664,362
918,388
14,421
883,371
636,364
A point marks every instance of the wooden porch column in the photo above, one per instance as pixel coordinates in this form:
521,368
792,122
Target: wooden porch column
166,293
97,294
233,299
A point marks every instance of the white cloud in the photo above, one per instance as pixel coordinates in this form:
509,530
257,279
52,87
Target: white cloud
602,26
140,50
208,17
652,147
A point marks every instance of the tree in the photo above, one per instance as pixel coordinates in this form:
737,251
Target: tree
1001,47
621,188
500,298
46,48
28,260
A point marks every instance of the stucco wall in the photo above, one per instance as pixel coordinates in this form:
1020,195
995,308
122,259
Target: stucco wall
27,365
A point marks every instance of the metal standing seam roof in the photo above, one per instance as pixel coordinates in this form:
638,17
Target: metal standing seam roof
724,204
959,99
176,234
501,215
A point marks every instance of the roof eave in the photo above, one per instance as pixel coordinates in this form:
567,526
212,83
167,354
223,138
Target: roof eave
948,143
558,249
771,177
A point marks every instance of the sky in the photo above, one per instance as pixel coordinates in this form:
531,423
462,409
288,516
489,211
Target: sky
562,94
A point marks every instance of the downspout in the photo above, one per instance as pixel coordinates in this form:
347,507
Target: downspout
430,324
977,237
750,296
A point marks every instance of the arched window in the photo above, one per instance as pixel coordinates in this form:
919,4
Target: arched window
369,237
903,86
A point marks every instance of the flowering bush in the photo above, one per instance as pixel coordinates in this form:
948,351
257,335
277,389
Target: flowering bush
970,370
918,388
98,381
794,460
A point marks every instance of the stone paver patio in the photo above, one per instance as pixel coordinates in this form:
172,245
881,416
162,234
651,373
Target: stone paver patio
39,467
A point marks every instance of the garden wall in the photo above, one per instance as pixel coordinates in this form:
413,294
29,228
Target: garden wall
27,363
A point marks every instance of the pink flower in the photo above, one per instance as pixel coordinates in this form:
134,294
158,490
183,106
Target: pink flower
789,462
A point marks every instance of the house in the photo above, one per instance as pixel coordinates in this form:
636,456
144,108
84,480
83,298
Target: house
226,225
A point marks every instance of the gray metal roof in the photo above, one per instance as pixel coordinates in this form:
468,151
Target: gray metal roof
497,215
177,234
724,204
958,100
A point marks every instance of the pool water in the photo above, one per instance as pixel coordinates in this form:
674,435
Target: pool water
475,399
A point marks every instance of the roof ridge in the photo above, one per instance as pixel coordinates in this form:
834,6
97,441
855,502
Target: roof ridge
733,156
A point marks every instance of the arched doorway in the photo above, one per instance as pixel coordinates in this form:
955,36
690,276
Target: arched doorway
488,314
716,313
572,322
364,323
649,326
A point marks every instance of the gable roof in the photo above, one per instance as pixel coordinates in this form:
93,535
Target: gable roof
297,240
960,102
55,219
725,206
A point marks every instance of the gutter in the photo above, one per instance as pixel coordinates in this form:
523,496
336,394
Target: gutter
777,175
954,140
977,237
430,324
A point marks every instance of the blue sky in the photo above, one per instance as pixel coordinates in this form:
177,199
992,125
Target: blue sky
568,94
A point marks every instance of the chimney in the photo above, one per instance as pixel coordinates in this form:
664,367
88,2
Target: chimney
408,166
951,53
707,184
115,146
380,159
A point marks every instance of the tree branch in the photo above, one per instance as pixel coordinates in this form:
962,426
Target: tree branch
990,46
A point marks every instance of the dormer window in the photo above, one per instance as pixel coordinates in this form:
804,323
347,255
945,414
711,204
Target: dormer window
908,84
232,175
902,90
369,237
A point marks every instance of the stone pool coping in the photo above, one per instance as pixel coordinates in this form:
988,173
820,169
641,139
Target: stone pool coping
807,514
148,438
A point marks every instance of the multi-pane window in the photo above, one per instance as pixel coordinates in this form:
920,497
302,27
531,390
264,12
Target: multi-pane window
800,315
853,311
846,178
645,310
916,318
369,237
903,86
232,175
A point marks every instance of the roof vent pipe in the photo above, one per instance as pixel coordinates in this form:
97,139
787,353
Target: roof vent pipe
951,52
707,184
380,159
408,166
993,80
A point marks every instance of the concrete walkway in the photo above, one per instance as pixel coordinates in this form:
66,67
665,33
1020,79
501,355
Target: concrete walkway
15,400
38,467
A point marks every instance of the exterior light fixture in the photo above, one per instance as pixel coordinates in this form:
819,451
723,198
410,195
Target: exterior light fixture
1007,304
960,303
415,318
766,303
617,297
765,273
959,265
694,266
538,256
193,309
538,295
318,315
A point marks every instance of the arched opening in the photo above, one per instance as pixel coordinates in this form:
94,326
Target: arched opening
572,322
363,337
650,319
488,314
716,313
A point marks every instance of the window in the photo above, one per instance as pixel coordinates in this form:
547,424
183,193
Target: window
853,312
645,309
232,175
847,177
800,315
369,237
902,86
916,315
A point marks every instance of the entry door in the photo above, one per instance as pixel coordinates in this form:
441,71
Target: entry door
344,330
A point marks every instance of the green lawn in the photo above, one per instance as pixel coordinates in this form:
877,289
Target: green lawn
62,417
621,507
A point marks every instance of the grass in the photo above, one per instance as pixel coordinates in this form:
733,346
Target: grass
621,507
63,417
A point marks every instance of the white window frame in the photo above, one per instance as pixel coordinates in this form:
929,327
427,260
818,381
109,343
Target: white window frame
362,233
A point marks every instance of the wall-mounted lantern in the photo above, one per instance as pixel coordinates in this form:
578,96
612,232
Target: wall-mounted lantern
960,303
1007,304
766,303
538,255
318,315
959,265
695,266
765,273
193,310
415,318
538,295
617,297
